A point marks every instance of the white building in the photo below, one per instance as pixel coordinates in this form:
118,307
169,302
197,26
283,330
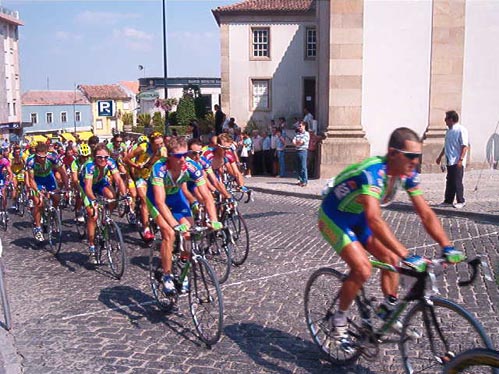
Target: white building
364,67
10,87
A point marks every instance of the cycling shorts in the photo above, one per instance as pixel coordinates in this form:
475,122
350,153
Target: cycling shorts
342,228
97,189
48,182
141,182
177,202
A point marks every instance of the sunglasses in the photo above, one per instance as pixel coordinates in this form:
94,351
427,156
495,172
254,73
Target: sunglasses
223,146
196,153
40,156
179,155
409,155
102,157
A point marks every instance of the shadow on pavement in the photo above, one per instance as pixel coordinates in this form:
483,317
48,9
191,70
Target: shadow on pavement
142,262
260,215
136,305
268,347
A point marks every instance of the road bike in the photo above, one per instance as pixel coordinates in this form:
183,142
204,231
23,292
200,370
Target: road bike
474,360
51,220
193,277
22,197
433,331
236,231
108,238
4,215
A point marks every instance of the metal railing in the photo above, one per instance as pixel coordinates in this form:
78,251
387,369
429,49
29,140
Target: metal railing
3,293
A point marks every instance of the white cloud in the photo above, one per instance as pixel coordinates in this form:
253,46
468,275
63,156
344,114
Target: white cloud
132,33
104,18
67,36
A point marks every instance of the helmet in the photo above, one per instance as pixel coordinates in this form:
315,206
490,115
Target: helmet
84,150
155,134
33,144
142,139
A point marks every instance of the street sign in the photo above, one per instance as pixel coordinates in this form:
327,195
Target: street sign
148,95
105,108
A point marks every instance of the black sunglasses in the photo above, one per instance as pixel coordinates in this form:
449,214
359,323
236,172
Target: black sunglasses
409,155
102,157
178,155
198,153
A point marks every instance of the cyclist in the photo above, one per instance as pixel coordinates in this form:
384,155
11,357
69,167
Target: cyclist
141,159
350,220
17,164
40,168
168,205
93,182
77,165
5,175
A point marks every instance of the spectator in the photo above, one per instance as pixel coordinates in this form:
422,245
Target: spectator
308,118
301,141
194,129
280,150
267,153
219,119
312,153
257,153
246,150
455,148
281,124
273,147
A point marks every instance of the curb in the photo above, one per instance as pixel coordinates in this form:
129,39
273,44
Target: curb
402,207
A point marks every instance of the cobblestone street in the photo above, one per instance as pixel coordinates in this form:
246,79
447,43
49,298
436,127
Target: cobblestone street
69,318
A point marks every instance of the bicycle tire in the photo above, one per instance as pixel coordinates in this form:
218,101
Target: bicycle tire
321,296
81,227
240,234
472,358
20,203
54,232
164,302
115,248
205,301
218,254
460,335
3,215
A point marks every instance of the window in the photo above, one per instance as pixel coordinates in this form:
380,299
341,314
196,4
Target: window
260,94
261,43
77,116
14,112
49,117
34,118
311,43
64,117
126,106
98,124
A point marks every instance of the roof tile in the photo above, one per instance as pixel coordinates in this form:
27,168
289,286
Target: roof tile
104,91
53,97
268,5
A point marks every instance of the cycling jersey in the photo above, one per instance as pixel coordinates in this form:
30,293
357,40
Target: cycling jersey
43,172
16,165
341,216
116,153
99,181
229,156
145,157
4,164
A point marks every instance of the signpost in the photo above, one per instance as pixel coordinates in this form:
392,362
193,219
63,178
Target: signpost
106,108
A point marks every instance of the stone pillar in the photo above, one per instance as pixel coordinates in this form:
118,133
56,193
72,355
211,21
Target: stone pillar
345,141
225,67
323,30
446,77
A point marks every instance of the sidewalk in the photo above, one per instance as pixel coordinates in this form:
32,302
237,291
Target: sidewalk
481,191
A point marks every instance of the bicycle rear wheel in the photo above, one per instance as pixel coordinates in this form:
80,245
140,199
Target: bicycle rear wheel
240,234
218,254
21,203
321,299
81,227
205,301
54,231
164,302
445,329
115,248
473,359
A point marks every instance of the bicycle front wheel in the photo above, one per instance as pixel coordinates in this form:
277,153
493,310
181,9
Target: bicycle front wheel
115,248
321,302
434,333
470,361
54,231
21,203
205,301
165,301
218,255
240,234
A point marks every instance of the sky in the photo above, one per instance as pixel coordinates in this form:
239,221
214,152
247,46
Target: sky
63,43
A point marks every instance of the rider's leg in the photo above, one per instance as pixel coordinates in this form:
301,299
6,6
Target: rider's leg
37,208
168,237
91,223
144,214
14,192
389,279
108,193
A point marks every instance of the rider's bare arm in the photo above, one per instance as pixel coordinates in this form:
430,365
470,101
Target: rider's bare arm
379,227
430,221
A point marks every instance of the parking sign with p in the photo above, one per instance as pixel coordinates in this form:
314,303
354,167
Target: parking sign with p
105,108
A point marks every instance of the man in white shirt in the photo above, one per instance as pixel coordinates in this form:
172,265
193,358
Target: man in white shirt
455,148
301,141
308,118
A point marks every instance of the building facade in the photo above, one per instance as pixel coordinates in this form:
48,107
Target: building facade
10,86
56,111
374,70
109,103
151,89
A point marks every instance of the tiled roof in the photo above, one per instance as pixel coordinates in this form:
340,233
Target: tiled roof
133,86
53,98
268,5
104,91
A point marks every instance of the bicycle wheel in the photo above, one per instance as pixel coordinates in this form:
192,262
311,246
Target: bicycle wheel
240,234
205,301
445,329
54,231
81,227
321,298
164,302
473,359
3,215
115,248
218,254
21,203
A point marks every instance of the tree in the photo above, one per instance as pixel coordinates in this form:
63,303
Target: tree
127,119
186,110
144,120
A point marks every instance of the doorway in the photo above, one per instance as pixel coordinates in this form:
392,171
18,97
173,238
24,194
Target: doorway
309,94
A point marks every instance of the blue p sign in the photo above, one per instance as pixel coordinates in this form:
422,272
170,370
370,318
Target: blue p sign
105,108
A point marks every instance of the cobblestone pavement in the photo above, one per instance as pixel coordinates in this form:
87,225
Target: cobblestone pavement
71,319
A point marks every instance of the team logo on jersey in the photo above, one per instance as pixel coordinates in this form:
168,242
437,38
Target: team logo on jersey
375,189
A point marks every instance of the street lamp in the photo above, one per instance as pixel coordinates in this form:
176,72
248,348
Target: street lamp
165,65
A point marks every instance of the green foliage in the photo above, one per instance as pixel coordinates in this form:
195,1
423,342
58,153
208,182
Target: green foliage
185,110
199,105
144,120
127,119
158,120
172,118
207,124
181,130
138,129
